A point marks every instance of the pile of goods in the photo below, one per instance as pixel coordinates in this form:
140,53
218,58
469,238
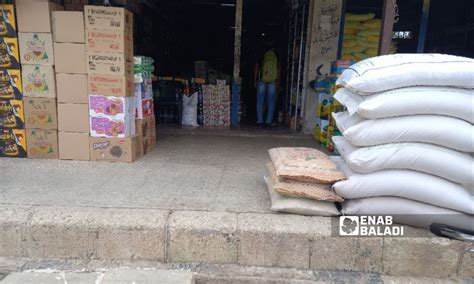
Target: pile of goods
407,139
325,87
216,104
300,182
12,117
361,37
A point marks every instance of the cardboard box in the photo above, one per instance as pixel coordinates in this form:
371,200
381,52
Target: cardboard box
42,144
72,88
144,109
68,26
74,146
146,134
35,16
112,127
36,49
7,21
9,56
70,58
13,143
40,113
10,84
12,114
73,118
38,81
114,149
108,63
110,85
112,107
110,41
108,18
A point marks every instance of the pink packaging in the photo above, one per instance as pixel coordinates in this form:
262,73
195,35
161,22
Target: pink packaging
112,107
112,128
144,108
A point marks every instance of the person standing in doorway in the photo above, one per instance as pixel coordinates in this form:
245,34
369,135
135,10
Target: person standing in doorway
266,78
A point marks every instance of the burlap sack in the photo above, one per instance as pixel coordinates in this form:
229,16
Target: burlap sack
305,164
316,191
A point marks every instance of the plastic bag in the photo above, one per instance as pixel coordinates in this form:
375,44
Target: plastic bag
190,110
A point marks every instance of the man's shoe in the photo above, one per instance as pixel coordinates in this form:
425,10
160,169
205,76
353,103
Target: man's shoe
260,125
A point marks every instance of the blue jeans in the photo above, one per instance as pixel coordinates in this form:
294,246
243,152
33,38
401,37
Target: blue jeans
268,90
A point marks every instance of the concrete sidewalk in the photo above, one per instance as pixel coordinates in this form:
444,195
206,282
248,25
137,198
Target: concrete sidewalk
185,172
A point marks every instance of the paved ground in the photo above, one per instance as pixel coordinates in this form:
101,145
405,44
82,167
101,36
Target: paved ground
201,170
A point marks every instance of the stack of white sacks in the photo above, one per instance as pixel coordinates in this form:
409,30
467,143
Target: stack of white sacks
408,139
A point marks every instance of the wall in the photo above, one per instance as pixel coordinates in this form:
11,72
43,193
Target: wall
323,32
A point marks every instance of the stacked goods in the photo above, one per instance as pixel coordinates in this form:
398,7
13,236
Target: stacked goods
325,88
109,48
407,139
361,37
144,107
12,119
38,80
299,181
216,104
71,82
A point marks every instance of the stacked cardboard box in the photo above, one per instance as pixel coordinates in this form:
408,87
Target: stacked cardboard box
144,114
12,119
216,104
71,82
39,87
109,46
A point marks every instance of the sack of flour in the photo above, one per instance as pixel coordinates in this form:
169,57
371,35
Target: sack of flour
190,110
408,212
395,71
299,206
408,184
452,102
315,191
305,165
456,166
435,129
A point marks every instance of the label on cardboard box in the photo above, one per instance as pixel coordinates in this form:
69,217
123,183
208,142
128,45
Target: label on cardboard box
12,114
108,63
110,127
113,107
110,41
110,85
38,81
40,113
10,84
36,48
7,20
108,18
9,56
13,143
114,149
42,144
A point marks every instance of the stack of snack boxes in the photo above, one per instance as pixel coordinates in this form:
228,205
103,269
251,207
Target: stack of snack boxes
71,81
12,120
38,81
109,47
144,112
325,87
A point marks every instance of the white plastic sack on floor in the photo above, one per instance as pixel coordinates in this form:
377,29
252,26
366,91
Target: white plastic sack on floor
452,102
439,161
408,184
435,129
395,71
190,110
299,206
409,212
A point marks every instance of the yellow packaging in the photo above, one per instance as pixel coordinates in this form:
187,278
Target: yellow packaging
9,56
7,20
10,84
12,114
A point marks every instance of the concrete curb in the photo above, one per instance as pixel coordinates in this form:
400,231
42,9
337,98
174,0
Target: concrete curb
245,239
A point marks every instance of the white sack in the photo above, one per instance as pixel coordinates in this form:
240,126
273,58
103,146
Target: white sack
409,212
435,129
300,206
452,102
439,161
190,110
408,184
395,71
